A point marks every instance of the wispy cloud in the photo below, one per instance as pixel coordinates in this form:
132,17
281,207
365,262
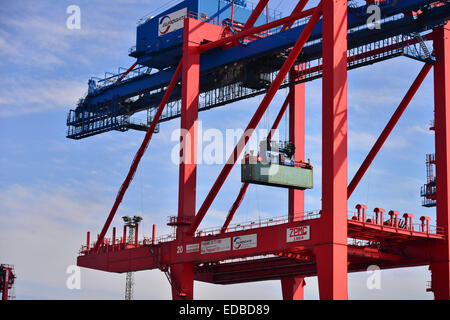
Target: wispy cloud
33,96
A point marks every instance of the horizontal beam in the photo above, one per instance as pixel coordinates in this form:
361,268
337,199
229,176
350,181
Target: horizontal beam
255,240
276,268
263,240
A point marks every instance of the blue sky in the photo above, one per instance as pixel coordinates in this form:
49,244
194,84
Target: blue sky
53,190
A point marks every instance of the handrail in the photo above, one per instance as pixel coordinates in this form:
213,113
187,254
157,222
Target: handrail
111,80
273,13
415,227
308,215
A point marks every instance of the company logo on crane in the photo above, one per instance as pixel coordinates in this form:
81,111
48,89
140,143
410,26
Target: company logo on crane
171,22
245,242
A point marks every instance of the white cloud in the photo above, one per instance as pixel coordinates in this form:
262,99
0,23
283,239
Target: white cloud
33,96
360,140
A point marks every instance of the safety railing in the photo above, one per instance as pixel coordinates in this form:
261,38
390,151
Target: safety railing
167,5
429,286
273,13
112,78
401,224
362,243
233,26
427,190
119,244
268,222
428,203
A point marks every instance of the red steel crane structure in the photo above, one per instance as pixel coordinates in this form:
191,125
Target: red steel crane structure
328,244
7,279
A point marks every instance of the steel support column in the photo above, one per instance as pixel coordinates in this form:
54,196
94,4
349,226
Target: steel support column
183,274
293,287
5,285
440,267
331,253
297,136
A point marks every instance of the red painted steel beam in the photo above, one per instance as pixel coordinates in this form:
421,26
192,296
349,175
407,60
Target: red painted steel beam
256,30
6,283
189,129
138,156
331,254
255,14
235,206
232,12
297,137
127,72
272,269
257,117
251,20
292,287
388,129
298,8
440,266
182,275
154,234
280,115
88,241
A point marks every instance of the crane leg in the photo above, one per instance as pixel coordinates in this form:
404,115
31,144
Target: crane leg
183,274
440,266
331,253
293,287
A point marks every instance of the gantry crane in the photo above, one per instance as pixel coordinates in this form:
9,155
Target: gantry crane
202,54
